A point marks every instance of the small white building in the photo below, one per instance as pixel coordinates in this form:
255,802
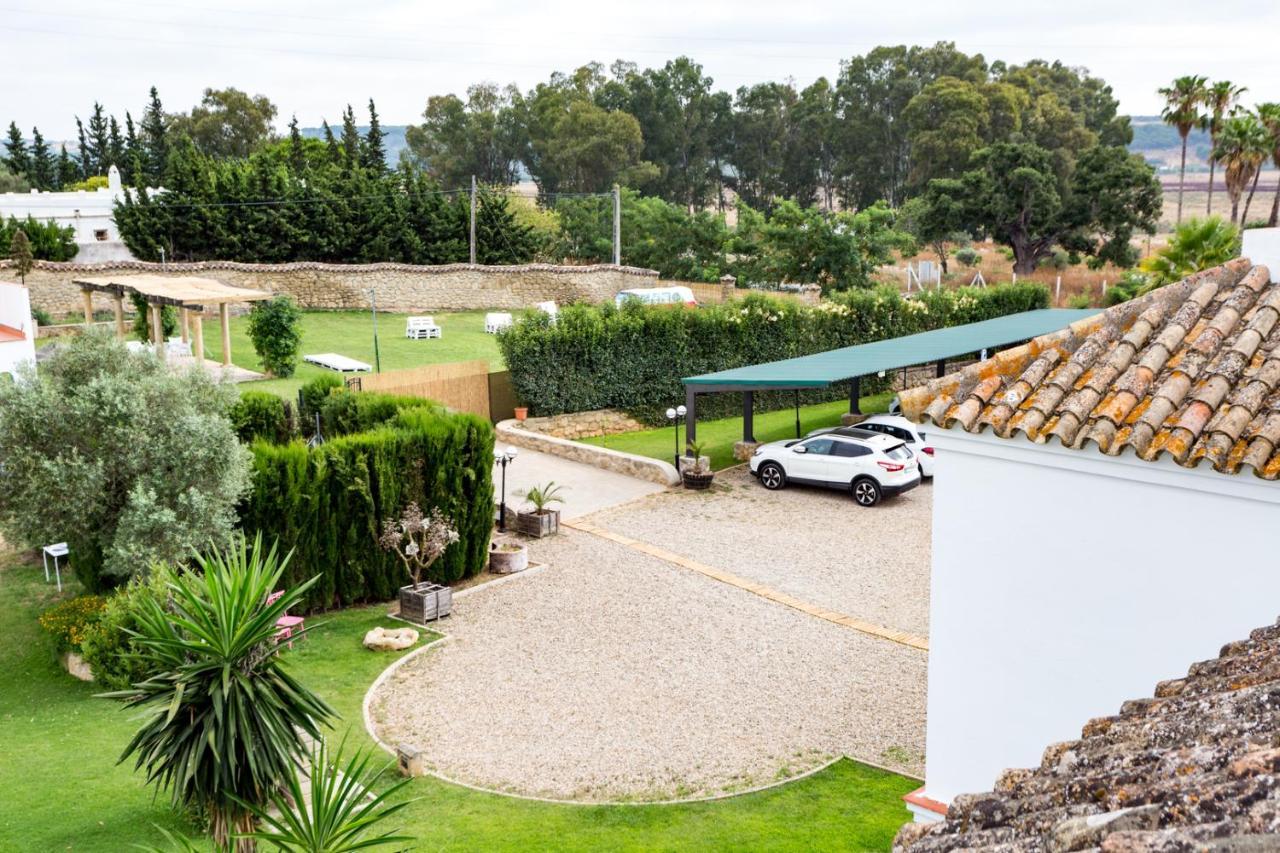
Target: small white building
1106,509
89,213
17,329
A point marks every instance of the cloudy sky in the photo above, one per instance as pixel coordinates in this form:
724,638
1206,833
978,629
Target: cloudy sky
313,56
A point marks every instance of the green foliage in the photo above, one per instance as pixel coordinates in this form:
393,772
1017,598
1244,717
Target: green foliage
20,254
543,495
967,256
41,316
128,462
1080,300
311,397
328,504
275,329
1196,244
49,241
633,358
260,414
110,646
224,722
142,319
226,122
1130,285
69,621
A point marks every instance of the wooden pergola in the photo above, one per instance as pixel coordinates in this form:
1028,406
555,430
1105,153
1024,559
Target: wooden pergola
190,295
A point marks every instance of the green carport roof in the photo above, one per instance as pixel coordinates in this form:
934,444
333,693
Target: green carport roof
823,368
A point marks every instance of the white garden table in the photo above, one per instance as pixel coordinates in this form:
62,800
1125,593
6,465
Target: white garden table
56,550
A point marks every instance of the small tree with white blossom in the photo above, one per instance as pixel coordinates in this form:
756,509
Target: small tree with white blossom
418,539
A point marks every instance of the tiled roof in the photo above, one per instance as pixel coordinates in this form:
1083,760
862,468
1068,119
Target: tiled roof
1190,370
9,334
1195,768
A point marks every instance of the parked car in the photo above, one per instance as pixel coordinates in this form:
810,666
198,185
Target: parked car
871,466
899,427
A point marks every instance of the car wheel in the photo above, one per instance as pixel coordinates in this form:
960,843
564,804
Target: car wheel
866,492
772,476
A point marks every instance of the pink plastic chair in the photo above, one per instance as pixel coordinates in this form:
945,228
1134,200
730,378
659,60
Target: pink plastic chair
287,624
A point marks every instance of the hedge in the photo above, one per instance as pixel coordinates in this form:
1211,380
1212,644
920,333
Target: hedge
632,358
327,504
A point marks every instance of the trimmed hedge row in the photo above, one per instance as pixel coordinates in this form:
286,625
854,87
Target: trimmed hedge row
328,504
632,358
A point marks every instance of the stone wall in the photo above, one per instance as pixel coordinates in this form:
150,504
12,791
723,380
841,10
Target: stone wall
633,465
577,425
400,287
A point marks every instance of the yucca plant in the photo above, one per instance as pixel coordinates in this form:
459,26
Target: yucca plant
339,814
225,724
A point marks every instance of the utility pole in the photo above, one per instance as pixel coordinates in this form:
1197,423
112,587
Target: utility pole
617,226
473,219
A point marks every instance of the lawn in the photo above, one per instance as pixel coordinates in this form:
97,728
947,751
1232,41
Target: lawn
63,791
350,333
718,436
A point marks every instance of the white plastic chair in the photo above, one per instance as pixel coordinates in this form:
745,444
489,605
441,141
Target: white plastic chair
496,321
418,328
177,347
549,308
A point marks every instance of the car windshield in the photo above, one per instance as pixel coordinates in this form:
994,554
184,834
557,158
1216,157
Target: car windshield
898,452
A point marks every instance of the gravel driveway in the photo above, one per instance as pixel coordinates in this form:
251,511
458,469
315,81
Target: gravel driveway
815,544
614,675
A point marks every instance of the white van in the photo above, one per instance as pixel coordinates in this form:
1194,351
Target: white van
674,295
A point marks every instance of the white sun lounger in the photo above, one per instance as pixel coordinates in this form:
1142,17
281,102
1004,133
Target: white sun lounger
334,361
495,321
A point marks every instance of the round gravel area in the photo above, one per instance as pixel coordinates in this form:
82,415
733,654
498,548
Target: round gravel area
613,675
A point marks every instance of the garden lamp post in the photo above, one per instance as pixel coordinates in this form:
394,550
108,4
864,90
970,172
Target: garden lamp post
503,457
674,415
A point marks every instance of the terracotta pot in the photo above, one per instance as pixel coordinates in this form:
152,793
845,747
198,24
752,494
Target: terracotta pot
522,412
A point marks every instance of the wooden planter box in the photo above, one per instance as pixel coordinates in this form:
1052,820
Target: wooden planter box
698,479
508,562
538,524
425,602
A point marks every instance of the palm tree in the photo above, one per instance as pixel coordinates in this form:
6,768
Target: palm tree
1221,98
225,723
1195,245
1269,114
1182,110
1242,146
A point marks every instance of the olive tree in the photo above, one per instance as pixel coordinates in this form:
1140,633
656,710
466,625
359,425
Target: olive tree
128,462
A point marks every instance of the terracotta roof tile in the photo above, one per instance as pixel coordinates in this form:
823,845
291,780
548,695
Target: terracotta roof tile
1191,370
1194,767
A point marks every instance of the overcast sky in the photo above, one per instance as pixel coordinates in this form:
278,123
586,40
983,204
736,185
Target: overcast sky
313,56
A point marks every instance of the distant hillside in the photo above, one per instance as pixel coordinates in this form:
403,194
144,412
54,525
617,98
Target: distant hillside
394,138
1160,144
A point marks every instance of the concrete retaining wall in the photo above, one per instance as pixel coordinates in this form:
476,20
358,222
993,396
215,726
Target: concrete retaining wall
641,467
400,287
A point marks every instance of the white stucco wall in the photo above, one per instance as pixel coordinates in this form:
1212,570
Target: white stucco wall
1262,246
1065,583
15,312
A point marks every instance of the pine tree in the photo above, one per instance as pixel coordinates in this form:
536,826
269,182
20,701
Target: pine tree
43,168
350,137
99,140
374,153
331,144
68,171
16,159
155,143
297,152
115,145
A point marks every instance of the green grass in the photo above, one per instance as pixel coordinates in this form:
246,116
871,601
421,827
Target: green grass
350,333
63,791
718,436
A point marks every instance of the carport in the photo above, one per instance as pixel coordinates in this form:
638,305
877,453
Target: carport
850,364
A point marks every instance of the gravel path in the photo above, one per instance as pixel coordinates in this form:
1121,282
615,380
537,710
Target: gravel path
612,675
815,544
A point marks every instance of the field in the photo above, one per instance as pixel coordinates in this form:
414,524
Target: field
64,791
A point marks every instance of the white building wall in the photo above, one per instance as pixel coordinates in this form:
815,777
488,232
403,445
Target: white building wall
1262,246
89,213
15,312
1065,582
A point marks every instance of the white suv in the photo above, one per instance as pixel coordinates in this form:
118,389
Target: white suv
870,465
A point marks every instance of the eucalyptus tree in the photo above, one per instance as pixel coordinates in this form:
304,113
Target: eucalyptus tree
1182,102
1220,98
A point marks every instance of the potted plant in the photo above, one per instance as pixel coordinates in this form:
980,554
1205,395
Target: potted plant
541,520
695,469
419,540
507,557
521,413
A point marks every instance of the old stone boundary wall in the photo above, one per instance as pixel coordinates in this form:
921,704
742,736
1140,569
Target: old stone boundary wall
641,467
400,287
575,425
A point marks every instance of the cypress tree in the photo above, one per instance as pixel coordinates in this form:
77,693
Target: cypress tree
87,166
99,140
16,160
375,150
350,138
500,237
132,151
154,141
297,152
68,170
115,146
331,144
43,168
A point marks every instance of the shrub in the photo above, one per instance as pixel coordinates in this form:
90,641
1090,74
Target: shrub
127,461
109,646
1196,244
69,621
633,358
968,256
1080,300
275,329
41,316
312,395
260,414
329,504
49,240
142,319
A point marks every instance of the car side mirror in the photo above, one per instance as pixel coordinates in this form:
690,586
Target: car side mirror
799,448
